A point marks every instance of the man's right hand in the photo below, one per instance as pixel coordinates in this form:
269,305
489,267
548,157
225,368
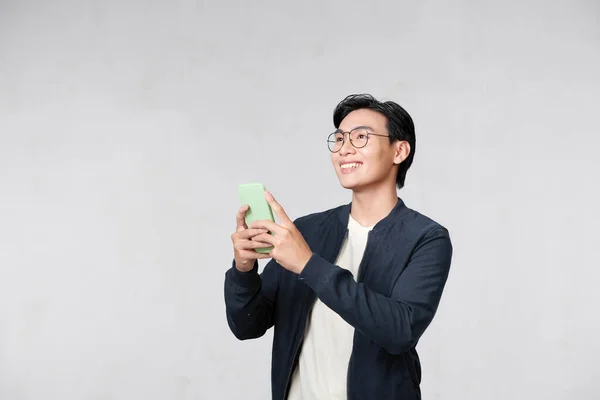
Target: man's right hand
243,245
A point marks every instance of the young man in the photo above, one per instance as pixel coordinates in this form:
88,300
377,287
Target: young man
349,291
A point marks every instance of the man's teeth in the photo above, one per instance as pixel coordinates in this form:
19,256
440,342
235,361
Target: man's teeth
350,165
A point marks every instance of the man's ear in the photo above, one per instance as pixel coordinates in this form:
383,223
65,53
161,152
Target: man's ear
401,151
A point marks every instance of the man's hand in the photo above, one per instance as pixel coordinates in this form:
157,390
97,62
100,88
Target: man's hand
290,250
244,243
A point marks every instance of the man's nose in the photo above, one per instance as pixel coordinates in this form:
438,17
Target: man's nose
347,147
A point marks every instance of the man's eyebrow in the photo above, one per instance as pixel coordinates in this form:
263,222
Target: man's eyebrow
357,127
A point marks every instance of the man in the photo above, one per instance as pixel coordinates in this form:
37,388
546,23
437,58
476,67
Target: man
349,291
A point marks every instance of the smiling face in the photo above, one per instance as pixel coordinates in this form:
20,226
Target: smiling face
371,166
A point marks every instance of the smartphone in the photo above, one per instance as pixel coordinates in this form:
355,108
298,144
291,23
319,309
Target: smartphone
253,195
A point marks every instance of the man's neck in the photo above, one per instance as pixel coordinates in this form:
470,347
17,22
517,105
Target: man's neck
371,206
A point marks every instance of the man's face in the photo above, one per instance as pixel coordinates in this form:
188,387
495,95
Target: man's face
369,166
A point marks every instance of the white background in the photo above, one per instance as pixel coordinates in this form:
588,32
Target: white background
125,127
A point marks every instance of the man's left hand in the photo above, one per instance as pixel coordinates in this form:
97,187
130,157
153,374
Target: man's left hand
290,250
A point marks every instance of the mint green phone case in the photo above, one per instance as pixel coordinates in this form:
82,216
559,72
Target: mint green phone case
253,194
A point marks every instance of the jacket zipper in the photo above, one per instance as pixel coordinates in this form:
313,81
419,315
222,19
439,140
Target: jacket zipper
312,303
359,276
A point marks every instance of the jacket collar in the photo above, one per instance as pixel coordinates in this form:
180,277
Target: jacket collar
397,212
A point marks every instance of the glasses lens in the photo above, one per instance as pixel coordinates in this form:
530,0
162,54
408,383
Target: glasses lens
359,137
335,141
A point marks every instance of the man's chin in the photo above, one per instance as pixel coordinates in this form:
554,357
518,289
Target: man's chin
356,186
349,184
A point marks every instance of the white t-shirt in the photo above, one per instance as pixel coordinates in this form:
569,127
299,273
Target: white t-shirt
323,364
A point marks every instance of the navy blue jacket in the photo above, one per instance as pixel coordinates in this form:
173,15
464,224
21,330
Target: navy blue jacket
390,304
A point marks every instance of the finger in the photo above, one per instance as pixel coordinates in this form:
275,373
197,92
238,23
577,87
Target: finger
249,233
240,218
253,255
266,238
276,207
252,244
269,225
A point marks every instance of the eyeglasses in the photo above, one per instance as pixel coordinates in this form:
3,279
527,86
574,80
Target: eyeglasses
359,137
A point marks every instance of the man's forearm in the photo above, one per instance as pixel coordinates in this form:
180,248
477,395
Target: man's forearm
249,308
397,322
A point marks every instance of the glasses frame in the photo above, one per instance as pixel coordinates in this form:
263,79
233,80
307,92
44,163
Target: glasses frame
350,138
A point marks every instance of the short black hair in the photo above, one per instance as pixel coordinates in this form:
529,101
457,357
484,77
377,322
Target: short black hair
400,125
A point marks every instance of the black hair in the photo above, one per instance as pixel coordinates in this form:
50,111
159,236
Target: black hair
400,125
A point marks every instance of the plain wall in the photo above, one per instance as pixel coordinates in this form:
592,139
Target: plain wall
125,127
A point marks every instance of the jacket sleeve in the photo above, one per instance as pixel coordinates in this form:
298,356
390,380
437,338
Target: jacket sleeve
250,298
396,322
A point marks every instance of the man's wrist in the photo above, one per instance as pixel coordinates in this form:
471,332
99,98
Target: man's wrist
248,279
303,261
243,269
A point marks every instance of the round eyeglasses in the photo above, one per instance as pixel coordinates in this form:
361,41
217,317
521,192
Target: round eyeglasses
359,137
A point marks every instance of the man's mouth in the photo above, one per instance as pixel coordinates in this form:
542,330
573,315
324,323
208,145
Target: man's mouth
350,166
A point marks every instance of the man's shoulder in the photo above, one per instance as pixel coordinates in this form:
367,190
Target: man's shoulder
409,221
422,225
